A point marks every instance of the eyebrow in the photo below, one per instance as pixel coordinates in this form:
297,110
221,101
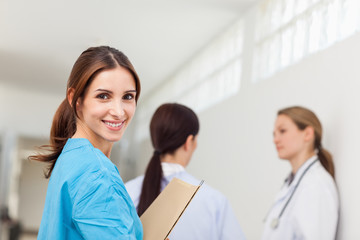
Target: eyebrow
128,91
103,90
108,91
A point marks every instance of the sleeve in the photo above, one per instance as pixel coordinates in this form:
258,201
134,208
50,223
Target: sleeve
228,223
316,214
100,210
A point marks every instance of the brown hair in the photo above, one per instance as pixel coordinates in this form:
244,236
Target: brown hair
87,66
170,126
303,118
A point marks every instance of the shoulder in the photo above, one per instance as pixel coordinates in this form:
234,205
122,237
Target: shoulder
84,167
211,204
85,159
212,195
319,179
318,185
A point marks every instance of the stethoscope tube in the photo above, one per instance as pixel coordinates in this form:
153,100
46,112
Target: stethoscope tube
275,221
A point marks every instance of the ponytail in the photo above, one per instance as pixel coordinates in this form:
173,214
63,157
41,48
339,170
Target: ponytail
63,127
151,184
170,126
326,160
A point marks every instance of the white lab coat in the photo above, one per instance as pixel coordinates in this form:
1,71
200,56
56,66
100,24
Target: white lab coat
209,215
313,211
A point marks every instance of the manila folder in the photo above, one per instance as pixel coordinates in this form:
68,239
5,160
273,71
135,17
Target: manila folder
161,216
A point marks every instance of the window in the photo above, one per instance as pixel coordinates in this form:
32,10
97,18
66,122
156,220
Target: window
210,77
289,30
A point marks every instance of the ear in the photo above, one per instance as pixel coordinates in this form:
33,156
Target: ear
309,133
70,97
188,143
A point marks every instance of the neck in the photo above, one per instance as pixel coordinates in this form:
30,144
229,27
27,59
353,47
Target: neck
106,149
299,160
175,158
103,146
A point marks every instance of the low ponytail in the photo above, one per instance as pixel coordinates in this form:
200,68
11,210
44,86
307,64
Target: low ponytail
152,183
170,126
326,160
62,128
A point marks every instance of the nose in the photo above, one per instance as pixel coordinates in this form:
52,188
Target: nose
275,138
117,109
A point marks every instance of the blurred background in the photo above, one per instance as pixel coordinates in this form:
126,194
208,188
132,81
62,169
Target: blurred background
235,62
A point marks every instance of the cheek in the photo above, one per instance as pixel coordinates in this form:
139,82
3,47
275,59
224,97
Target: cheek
285,141
130,109
95,111
293,143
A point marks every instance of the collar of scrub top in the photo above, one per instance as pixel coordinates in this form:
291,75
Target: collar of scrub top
171,168
296,181
73,143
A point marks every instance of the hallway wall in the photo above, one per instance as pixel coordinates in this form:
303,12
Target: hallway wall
235,141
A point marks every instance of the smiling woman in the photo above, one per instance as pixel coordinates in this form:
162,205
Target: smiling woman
107,108
86,197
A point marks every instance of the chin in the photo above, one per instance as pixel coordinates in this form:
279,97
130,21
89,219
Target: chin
114,139
282,156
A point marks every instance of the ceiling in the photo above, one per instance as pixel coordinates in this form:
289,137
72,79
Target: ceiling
41,39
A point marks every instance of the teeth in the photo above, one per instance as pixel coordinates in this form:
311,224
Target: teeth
113,124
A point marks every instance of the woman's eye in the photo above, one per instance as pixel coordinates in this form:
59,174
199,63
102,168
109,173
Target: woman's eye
128,96
103,96
282,130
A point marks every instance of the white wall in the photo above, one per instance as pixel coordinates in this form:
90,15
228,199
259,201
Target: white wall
235,152
236,136
27,112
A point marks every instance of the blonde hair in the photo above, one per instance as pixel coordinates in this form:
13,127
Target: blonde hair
303,117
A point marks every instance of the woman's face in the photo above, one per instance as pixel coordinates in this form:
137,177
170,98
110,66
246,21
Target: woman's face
288,138
108,106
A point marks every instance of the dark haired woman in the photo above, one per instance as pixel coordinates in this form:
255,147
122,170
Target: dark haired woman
86,197
307,206
173,131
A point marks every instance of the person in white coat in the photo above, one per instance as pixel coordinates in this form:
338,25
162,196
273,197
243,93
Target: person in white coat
173,129
307,206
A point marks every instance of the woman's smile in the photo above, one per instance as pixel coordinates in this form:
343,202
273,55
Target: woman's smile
114,125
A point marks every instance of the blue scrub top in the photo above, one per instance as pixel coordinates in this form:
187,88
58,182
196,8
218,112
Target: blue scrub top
87,199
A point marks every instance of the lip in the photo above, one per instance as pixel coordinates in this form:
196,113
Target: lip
114,125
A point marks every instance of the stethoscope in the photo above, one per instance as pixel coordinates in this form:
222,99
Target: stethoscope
275,222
